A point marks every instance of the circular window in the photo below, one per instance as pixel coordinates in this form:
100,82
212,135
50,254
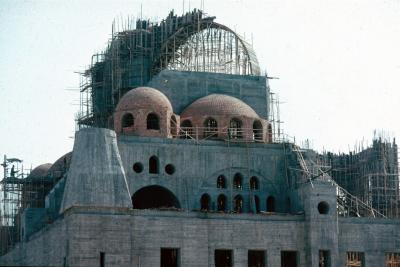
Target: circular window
323,207
170,169
138,167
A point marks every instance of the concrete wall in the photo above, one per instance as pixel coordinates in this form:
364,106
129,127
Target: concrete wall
182,88
135,237
198,165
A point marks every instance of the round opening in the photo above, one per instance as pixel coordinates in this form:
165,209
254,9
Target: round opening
170,169
323,207
138,167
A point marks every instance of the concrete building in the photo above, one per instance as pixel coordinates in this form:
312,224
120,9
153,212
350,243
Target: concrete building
176,164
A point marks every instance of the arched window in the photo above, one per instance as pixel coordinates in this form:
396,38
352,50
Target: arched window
235,129
205,202
153,164
254,183
153,122
257,131
257,203
186,129
271,204
153,197
173,126
237,181
238,204
127,120
210,128
221,182
221,203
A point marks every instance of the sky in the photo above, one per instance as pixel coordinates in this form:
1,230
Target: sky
338,63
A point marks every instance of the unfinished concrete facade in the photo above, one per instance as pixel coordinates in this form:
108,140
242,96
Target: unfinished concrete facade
201,183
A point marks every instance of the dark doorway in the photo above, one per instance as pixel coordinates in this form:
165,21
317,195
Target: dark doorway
271,204
221,203
153,197
102,259
289,259
169,257
223,258
257,204
256,258
205,202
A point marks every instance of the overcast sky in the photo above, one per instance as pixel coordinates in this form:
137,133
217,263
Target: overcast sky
338,62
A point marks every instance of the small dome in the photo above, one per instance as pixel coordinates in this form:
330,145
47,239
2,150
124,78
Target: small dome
40,171
61,165
219,105
143,98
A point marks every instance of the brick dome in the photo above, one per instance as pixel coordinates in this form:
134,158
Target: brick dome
219,105
144,98
40,171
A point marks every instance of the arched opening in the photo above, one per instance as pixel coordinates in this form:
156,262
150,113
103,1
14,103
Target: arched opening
221,182
127,120
221,203
205,202
235,129
271,204
257,131
154,197
257,204
173,125
186,129
153,164
237,181
238,204
254,185
210,128
153,122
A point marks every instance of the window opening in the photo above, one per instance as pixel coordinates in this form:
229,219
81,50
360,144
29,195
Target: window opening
138,167
153,122
237,181
221,203
102,259
324,258
211,128
355,259
154,197
235,129
170,169
392,260
223,258
257,131
257,204
256,258
205,202
169,257
221,182
323,207
127,120
238,204
289,259
254,183
153,164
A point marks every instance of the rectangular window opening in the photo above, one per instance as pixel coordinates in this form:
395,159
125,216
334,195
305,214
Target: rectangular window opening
223,258
102,259
392,260
169,257
355,259
289,259
256,258
324,258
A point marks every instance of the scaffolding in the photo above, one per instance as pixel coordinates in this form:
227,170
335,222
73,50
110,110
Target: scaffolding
369,173
139,50
11,187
